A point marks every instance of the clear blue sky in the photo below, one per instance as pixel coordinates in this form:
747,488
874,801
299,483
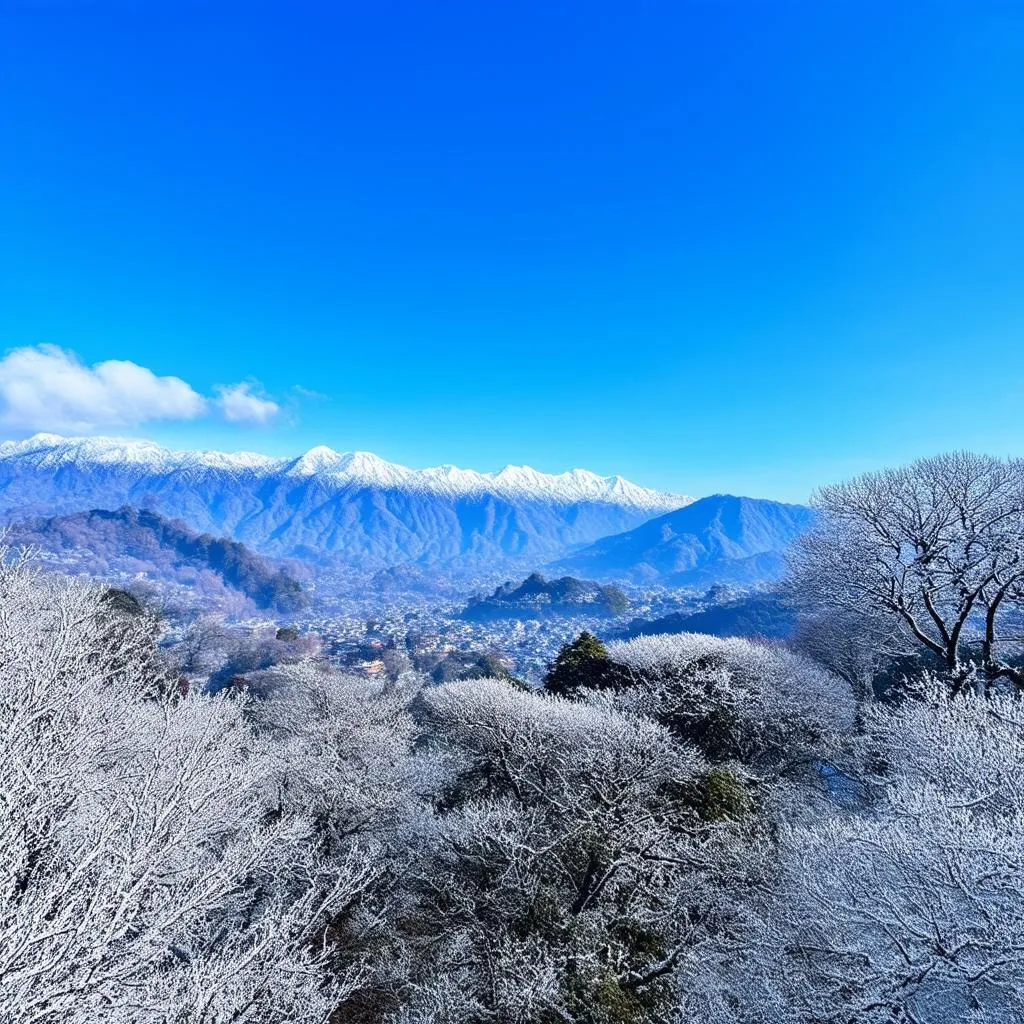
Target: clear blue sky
708,245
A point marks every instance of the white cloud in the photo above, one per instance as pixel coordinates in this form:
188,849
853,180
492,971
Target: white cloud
238,404
47,388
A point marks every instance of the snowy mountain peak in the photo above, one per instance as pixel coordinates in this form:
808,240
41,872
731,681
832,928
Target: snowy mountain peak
31,443
51,451
365,467
333,469
320,459
54,451
348,467
351,505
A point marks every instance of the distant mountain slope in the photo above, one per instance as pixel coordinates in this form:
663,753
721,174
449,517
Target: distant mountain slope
354,506
129,541
757,615
537,597
717,539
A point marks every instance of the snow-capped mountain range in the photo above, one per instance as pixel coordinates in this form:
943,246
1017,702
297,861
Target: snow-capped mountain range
351,504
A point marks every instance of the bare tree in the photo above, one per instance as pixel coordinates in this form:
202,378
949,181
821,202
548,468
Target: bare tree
203,646
937,547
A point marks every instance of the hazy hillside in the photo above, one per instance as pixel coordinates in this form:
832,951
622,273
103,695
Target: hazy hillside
717,539
129,541
353,506
760,615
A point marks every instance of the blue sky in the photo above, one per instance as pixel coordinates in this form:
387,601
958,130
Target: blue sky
708,245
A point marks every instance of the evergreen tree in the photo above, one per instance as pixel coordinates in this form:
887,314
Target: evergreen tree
583,662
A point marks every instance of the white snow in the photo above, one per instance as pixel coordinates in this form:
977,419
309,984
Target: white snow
338,469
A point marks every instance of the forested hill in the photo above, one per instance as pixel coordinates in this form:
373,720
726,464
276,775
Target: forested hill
762,615
537,597
137,540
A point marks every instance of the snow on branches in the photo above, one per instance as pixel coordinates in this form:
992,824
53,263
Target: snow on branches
148,871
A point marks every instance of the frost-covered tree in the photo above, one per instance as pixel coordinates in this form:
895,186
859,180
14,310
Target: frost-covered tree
907,908
758,706
340,753
203,646
567,874
148,869
937,548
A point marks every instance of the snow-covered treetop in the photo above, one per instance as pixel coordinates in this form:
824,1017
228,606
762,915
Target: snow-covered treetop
336,469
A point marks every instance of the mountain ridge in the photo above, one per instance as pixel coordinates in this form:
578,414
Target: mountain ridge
321,461
324,504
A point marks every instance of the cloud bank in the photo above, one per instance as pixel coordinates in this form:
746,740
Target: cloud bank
45,387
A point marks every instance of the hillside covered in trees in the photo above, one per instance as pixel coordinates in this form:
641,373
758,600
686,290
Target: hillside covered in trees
672,828
131,541
768,615
537,597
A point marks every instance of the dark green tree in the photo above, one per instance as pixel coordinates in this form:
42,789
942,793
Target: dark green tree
582,663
